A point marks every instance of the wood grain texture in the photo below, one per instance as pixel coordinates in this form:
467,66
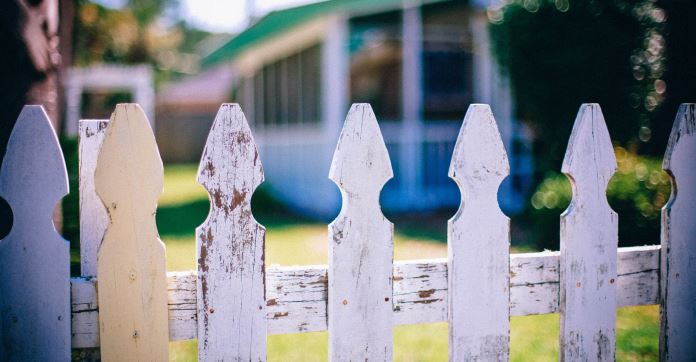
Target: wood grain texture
93,216
589,240
231,276
478,244
297,295
132,284
85,321
360,245
678,268
34,258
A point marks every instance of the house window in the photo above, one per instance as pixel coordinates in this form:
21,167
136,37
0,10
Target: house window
270,93
376,62
293,88
447,61
286,92
259,116
310,95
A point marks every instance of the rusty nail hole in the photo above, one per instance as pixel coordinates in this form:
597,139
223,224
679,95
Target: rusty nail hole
135,334
386,299
345,302
578,284
211,310
611,280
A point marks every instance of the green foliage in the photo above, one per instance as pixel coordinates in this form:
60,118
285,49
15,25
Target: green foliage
141,32
561,53
637,193
107,35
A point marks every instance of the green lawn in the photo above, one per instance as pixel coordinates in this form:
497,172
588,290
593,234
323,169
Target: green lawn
289,240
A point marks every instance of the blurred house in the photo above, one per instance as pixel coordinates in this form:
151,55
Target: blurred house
187,108
419,63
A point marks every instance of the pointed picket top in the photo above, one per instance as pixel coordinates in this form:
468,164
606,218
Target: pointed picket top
361,162
478,243
128,151
132,285
33,164
230,147
589,241
678,271
683,131
231,273
360,245
34,258
589,158
479,162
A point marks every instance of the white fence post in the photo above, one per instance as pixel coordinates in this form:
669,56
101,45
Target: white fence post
360,245
132,284
231,272
93,222
478,243
678,264
34,258
589,240
93,216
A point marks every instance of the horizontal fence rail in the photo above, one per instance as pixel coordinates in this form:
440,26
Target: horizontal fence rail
126,306
297,295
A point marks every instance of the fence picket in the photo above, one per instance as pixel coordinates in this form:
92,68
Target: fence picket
479,244
93,216
360,245
678,264
132,285
589,241
231,273
34,258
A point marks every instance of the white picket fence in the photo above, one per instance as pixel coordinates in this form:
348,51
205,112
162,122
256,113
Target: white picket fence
128,306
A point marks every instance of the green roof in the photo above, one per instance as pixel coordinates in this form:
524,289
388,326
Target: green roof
276,22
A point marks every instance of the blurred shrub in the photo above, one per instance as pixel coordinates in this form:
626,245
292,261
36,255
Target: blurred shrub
637,192
561,53
136,31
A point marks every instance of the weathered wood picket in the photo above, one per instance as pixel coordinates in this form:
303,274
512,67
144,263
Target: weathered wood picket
589,238
678,264
360,245
34,258
479,298
126,305
231,285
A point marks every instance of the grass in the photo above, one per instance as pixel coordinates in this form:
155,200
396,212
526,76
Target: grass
291,240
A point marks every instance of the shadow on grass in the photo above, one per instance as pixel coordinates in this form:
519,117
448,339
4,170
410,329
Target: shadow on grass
427,227
181,219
